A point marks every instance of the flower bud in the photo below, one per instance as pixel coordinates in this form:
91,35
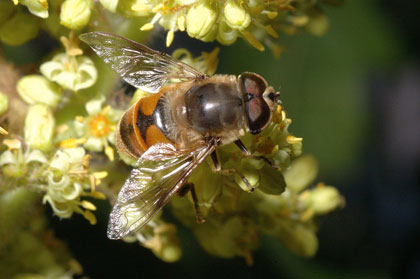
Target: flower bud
252,176
301,173
237,16
324,199
75,14
39,127
201,21
21,28
36,7
37,89
4,103
170,253
272,181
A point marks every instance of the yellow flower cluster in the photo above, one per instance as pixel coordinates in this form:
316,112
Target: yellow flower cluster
64,179
68,180
257,21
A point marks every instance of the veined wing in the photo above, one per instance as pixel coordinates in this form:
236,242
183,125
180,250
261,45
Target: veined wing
137,64
161,171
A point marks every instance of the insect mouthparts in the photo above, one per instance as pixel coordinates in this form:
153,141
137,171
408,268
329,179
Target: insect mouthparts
277,98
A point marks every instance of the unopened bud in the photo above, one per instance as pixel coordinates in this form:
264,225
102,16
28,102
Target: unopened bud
39,127
201,21
324,199
75,14
37,89
237,16
301,173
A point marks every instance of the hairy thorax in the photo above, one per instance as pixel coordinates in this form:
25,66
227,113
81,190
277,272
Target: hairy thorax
209,108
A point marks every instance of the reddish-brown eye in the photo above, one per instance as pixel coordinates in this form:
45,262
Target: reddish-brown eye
253,85
258,114
257,110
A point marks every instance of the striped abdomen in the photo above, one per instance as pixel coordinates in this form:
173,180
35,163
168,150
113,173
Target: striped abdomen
143,125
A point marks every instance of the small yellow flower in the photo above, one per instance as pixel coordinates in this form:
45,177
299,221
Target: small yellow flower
98,128
70,71
68,180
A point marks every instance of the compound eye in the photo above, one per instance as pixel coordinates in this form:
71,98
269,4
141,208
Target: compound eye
257,110
258,114
253,84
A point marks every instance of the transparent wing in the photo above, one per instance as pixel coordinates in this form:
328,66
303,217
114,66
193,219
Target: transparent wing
137,64
162,170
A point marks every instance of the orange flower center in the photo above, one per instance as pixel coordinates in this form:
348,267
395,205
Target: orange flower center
99,126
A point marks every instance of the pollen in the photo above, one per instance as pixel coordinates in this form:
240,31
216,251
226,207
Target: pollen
147,27
252,40
292,140
71,143
99,126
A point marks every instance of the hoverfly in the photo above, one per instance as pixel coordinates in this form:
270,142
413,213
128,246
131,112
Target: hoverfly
173,131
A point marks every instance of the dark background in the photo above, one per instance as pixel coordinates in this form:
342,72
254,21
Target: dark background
354,96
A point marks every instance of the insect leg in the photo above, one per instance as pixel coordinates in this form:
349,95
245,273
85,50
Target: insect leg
215,160
247,153
219,170
189,187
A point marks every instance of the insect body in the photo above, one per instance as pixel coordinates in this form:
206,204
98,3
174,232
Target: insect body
171,132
